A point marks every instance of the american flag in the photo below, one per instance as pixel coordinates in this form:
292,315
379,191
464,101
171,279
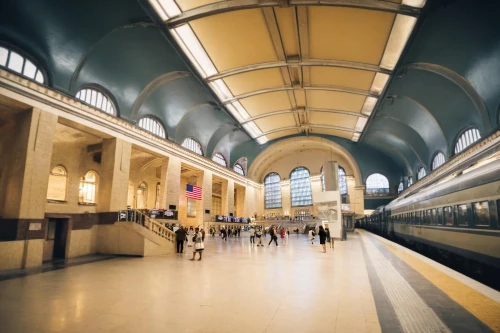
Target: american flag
193,192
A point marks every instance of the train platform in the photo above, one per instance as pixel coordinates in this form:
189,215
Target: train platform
366,284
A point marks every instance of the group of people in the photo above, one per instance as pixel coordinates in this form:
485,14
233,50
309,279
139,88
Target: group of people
324,237
194,237
229,232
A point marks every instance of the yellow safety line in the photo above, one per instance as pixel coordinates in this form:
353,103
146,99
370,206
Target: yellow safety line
484,308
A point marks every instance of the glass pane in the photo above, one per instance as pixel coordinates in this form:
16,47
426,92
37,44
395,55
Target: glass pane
300,187
462,215
272,191
481,213
448,215
29,69
15,62
3,56
440,216
377,184
39,77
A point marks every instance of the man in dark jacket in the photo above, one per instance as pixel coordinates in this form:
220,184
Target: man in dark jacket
180,237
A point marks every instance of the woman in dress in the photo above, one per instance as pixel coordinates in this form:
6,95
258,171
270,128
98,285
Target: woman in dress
199,246
282,234
190,236
311,235
322,238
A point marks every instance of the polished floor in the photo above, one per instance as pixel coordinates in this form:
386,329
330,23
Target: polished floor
364,285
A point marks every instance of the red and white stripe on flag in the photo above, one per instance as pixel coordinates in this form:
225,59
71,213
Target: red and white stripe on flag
193,192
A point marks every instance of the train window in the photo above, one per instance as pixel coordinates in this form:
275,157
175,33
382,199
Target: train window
440,216
481,213
434,216
412,219
462,215
448,215
428,216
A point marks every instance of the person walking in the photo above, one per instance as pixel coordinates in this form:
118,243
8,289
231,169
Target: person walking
180,237
272,233
282,234
322,237
202,235
224,234
311,235
258,234
329,237
190,236
199,246
239,231
229,232
252,235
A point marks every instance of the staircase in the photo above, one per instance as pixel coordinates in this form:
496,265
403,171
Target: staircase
153,226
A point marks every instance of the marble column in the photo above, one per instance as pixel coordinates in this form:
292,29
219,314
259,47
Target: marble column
228,197
114,175
170,182
204,180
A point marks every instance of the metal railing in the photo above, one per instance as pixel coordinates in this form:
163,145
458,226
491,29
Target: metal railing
151,224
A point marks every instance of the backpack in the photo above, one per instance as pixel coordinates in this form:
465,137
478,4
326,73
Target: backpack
314,234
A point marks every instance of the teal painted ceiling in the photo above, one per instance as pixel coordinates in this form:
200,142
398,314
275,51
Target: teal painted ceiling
447,80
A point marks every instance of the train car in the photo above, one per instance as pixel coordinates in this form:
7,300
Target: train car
458,215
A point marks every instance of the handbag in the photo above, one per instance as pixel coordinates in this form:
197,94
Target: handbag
199,246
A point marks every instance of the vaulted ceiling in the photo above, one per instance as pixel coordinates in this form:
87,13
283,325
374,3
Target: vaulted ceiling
280,69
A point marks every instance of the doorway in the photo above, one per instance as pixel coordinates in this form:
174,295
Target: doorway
55,242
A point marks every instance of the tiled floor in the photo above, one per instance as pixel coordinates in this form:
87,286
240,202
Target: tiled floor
236,288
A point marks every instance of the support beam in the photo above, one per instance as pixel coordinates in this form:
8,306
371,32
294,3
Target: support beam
303,63
275,113
233,5
338,128
325,88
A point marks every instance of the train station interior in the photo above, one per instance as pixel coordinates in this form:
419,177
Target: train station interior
357,141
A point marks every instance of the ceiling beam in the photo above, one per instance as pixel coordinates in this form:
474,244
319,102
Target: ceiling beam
275,113
338,128
324,88
233,5
308,62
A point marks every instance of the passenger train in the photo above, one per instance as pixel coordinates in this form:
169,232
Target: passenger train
454,220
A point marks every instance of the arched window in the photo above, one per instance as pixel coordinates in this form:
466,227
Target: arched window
18,63
142,195
466,139
272,191
219,159
97,99
421,173
400,187
342,178
410,181
193,145
438,160
88,188
300,187
153,126
238,169
377,184
58,180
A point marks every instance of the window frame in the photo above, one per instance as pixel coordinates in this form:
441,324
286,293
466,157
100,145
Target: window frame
291,187
219,155
103,91
194,140
26,56
460,135
402,186
65,175
81,199
436,154
241,167
419,169
378,188
156,121
266,190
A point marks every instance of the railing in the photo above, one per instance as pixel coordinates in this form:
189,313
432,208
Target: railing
153,225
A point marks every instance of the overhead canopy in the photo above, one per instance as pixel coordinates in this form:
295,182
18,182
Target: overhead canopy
286,67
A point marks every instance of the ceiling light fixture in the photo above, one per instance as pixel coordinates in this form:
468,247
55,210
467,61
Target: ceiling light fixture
355,137
170,7
401,30
360,124
414,3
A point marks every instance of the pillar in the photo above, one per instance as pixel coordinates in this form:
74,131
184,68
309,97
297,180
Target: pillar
114,176
351,184
170,182
286,200
240,198
331,174
204,180
359,199
228,197
25,177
